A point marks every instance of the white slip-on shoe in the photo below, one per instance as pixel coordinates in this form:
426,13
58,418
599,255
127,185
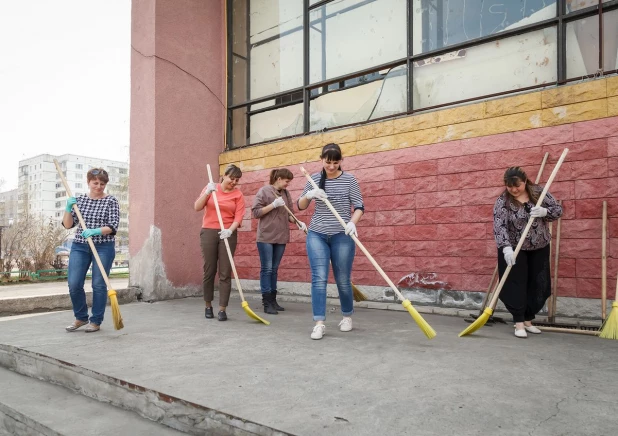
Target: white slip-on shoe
532,329
521,333
346,324
318,331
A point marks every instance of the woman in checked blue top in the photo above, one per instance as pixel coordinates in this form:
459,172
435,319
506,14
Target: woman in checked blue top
327,240
101,213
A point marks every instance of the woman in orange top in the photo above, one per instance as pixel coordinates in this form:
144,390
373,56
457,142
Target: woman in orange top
232,207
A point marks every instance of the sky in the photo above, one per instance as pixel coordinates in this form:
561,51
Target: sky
65,80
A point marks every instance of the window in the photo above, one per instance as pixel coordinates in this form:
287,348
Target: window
122,170
78,186
58,204
79,176
79,166
295,70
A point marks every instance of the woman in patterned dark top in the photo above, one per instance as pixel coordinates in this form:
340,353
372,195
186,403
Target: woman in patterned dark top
327,240
529,283
101,213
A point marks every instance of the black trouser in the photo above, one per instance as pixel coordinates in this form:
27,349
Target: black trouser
528,285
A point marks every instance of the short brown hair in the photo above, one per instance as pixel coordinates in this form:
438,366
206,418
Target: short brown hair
233,171
97,173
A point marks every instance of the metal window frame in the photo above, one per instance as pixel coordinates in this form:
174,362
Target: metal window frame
559,21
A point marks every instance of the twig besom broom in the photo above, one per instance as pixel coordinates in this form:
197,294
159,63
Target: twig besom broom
424,325
356,293
111,293
244,304
481,320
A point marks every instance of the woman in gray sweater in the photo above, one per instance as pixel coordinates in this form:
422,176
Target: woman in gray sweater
273,232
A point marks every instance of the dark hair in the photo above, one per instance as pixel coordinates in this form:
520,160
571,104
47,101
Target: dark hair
513,176
233,171
330,152
97,173
283,173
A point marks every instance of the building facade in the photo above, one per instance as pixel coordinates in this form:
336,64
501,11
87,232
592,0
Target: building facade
42,194
8,207
430,101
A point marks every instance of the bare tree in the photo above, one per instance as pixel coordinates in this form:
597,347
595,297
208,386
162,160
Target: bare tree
44,235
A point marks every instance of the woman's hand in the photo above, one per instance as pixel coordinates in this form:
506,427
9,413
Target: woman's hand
70,202
225,233
318,194
91,232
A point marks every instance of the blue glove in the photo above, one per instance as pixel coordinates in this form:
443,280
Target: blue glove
91,232
70,202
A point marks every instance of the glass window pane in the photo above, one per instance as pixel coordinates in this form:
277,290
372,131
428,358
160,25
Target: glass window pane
364,98
268,46
610,40
576,5
582,47
265,126
505,65
440,23
351,35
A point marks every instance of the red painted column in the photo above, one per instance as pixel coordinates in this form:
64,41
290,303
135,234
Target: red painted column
177,116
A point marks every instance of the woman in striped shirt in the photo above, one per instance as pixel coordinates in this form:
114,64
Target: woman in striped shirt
327,241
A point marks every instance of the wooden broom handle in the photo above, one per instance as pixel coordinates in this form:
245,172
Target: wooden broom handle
604,264
83,224
494,298
361,246
227,244
293,217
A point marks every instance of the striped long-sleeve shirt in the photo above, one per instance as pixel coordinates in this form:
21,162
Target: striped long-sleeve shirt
344,194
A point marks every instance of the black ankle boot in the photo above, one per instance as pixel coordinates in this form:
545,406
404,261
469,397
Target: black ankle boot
275,304
267,300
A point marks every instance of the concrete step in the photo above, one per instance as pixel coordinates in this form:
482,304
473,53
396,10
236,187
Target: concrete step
33,407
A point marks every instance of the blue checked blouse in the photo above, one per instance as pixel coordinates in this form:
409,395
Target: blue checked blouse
97,213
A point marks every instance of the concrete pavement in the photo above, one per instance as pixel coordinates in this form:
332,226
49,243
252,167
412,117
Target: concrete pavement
384,377
51,288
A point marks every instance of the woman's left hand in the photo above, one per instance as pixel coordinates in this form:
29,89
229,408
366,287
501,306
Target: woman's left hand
302,226
225,233
350,229
91,232
538,212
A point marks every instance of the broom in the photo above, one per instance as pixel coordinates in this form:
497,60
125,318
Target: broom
481,320
609,328
244,304
357,294
424,326
111,293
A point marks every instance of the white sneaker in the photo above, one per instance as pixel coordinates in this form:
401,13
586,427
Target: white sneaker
521,333
533,329
346,324
318,331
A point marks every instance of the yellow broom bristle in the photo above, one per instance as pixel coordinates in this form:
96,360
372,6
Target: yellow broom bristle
424,325
609,329
252,314
117,317
480,322
358,295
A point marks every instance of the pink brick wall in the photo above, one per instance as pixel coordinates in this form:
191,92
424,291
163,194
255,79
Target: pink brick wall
429,208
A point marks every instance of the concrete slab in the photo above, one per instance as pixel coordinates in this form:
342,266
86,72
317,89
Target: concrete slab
64,412
384,377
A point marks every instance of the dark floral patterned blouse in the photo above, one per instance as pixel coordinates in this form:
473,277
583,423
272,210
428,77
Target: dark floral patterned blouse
510,219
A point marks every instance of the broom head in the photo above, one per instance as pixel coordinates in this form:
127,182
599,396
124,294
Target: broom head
480,322
609,329
252,314
425,327
358,295
113,301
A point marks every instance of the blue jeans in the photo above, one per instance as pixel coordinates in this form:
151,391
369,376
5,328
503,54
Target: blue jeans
270,258
79,261
339,250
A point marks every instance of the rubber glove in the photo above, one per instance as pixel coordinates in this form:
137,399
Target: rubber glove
302,226
316,193
350,229
538,212
91,232
70,202
277,203
225,233
210,188
509,256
